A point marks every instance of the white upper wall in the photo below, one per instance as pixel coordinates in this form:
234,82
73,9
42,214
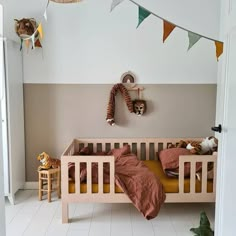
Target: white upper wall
86,43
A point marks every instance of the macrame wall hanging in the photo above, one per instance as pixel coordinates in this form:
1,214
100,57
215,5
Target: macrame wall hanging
137,106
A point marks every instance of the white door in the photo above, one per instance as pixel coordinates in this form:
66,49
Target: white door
2,202
226,113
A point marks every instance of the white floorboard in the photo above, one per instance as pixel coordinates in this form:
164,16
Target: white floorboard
31,217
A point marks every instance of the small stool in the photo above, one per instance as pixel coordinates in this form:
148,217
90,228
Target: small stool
49,181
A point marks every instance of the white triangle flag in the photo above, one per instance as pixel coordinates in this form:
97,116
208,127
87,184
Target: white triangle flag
45,15
33,39
115,3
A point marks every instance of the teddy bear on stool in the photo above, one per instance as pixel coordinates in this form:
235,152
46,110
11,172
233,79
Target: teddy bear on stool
47,162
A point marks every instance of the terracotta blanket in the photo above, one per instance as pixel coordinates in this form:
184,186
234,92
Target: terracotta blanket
141,185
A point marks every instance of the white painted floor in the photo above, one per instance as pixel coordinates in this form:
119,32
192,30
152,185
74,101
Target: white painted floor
30,217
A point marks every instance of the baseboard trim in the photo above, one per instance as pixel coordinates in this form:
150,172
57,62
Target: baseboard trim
31,185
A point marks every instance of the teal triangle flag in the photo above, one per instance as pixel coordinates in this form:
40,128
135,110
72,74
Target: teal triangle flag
193,38
142,15
21,43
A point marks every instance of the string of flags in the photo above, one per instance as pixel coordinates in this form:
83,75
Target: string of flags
143,13
168,27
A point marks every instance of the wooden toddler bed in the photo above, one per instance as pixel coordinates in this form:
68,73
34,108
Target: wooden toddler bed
179,189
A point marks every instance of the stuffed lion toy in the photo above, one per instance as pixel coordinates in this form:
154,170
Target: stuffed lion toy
26,27
47,162
206,146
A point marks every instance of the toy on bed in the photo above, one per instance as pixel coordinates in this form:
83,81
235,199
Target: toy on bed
170,157
206,146
47,162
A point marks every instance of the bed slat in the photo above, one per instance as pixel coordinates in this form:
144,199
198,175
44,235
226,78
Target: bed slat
181,175
89,179
77,177
192,176
112,175
100,177
204,176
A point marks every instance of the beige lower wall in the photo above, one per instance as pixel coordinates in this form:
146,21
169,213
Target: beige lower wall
57,113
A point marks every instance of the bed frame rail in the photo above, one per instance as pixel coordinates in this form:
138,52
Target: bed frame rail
144,148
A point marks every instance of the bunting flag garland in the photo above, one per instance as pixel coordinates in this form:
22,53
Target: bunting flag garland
219,49
142,15
167,29
115,3
193,38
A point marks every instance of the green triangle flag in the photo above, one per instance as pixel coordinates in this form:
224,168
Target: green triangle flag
193,38
21,44
142,15
115,3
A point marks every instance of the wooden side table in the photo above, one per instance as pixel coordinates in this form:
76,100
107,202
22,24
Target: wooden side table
49,181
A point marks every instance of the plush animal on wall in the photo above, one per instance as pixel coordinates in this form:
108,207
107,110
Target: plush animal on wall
47,162
139,107
206,146
26,27
111,104
204,229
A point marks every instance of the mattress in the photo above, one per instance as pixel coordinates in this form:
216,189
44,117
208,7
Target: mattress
171,185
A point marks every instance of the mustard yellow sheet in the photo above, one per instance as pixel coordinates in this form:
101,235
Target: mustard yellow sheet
171,185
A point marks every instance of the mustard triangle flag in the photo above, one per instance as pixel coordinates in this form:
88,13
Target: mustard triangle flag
40,30
142,15
193,38
219,49
168,28
115,3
